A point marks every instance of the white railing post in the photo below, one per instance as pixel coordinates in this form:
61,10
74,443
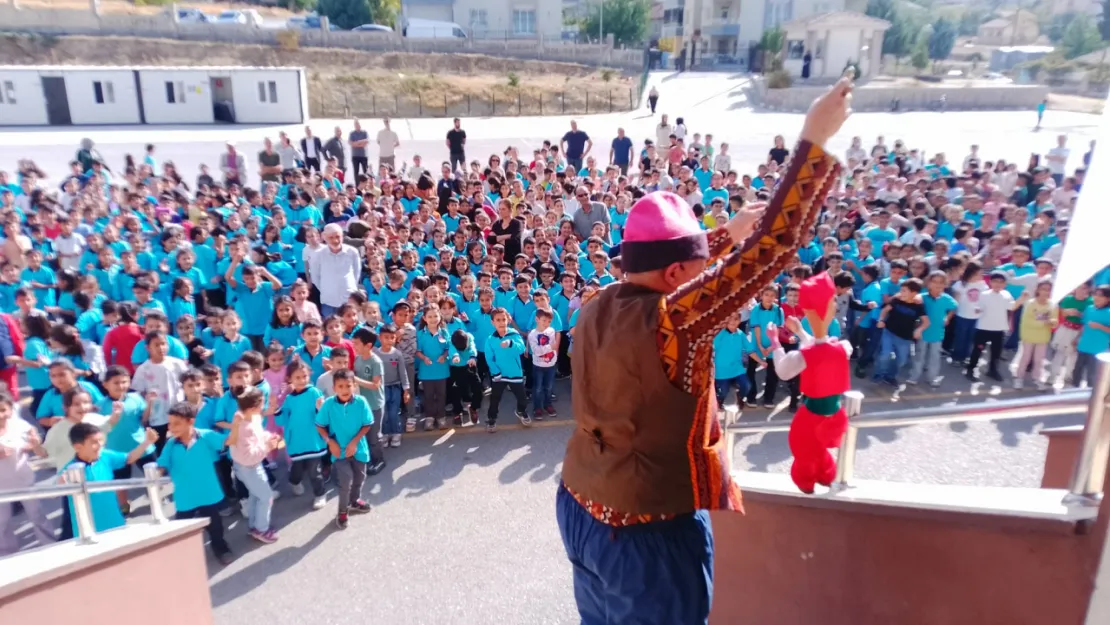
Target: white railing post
846,457
82,510
1090,467
152,474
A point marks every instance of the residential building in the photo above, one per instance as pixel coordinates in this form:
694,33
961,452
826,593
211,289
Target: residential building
494,19
727,31
1014,28
831,41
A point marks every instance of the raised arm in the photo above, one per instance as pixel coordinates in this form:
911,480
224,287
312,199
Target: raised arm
698,310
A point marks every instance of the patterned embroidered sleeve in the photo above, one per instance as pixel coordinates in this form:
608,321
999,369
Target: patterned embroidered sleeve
698,310
720,244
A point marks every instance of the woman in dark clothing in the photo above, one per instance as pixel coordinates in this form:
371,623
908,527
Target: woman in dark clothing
779,152
506,231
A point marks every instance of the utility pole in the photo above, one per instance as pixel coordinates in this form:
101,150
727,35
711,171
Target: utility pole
601,22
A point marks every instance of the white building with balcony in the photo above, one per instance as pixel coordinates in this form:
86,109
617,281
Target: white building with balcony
727,31
831,41
494,19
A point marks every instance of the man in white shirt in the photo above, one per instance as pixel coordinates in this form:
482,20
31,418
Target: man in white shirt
387,145
335,270
1057,159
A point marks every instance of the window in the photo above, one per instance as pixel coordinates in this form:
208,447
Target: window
479,18
7,94
103,92
724,12
175,92
524,21
267,91
795,49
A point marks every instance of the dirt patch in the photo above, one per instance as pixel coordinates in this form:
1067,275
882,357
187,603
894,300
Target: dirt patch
1076,103
344,82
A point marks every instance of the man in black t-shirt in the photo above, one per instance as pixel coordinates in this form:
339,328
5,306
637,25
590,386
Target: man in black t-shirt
576,144
456,145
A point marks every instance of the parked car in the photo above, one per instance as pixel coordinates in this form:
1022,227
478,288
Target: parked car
373,28
248,17
433,29
190,16
307,22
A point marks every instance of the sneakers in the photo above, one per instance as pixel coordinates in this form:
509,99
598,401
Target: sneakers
491,428
537,414
395,440
267,537
457,420
125,509
473,416
551,414
318,503
994,375
1019,383
359,507
375,468
342,521
297,489
441,423
1041,386
524,419
224,558
410,424
429,424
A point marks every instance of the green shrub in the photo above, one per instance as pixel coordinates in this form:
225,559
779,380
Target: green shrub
514,79
779,79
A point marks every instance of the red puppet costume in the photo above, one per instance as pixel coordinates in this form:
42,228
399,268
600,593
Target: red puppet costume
820,422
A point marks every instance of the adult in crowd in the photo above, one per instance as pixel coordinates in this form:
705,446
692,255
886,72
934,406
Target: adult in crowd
269,162
333,149
456,145
358,139
312,149
290,155
576,144
620,153
588,213
507,231
388,142
233,165
335,270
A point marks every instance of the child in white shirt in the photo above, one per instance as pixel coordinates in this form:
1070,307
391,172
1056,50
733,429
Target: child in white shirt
543,343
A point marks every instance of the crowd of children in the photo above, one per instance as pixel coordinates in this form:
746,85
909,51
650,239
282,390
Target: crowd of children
183,327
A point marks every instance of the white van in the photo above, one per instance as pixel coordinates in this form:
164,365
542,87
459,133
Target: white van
432,29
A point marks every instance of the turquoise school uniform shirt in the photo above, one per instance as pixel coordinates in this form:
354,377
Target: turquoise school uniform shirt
38,378
43,275
761,318
834,329
344,421
315,362
523,312
228,351
503,298
105,510
433,345
937,309
52,406
298,418
1093,340
175,349
879,236
286,336
1017,271
191,465
255,307
871,293
730,350
129,431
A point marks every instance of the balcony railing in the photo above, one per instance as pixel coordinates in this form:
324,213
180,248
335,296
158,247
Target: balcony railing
1086,484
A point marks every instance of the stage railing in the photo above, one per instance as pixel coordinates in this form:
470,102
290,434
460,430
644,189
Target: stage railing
1086,483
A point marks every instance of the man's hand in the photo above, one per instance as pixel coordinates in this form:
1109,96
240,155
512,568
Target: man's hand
741,226
406,396
827,113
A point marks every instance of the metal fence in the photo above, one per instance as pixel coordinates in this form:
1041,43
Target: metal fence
336,103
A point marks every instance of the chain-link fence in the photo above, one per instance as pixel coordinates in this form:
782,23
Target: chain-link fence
338,103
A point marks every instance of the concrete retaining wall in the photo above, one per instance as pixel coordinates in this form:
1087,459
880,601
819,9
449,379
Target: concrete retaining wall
869,98
89,22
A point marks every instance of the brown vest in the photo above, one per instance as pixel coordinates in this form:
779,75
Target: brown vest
628,450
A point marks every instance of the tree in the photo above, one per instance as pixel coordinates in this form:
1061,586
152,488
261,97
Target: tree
346,14
385,12
1080,37
626,20
919,58
942,39
904,26
970,21
1054,30
770,45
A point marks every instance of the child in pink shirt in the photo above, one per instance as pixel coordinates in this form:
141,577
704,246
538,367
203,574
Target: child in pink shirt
249,443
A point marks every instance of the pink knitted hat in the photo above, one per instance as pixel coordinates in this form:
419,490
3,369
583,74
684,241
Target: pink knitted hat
661,229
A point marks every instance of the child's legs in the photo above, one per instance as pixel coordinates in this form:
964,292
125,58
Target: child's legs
483,368
963,337
474,382
1063,345
1040,350
979,342
750,374
901,355
410,405
526,367
932,361
997,343
1083,362
223,472
721,387
214,529
770,383
563,363
495,400
517,389
310,467
1024,359
374,436
435,398
538,399
391,420
1015,329
918,366
885,355
345,470
455,391
261,495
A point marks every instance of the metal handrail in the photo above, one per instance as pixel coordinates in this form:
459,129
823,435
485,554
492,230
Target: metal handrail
1087,479
75,486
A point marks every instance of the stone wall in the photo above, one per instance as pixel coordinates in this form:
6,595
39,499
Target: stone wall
163,25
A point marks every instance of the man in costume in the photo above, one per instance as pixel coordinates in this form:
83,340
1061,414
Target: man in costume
646,460
820,421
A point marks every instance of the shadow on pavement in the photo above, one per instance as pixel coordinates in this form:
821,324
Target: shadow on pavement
243,580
